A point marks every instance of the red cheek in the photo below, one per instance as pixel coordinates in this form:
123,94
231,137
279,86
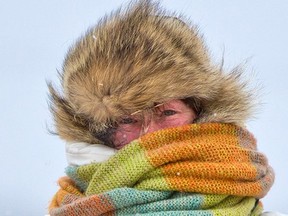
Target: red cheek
168,124
124,136
177,120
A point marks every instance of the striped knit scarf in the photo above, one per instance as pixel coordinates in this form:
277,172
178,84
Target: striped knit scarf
198,169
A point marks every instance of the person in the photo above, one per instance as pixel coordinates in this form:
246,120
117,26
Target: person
152,125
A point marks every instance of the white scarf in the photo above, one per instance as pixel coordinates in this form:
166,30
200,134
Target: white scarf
80,153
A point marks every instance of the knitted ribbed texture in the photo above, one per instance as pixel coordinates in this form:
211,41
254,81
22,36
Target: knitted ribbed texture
198,169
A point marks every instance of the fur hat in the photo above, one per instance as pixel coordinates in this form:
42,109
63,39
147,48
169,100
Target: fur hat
134,58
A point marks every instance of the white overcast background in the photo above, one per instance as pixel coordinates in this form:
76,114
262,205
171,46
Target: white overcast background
34,37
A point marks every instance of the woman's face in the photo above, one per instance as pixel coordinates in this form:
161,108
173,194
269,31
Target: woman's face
170,114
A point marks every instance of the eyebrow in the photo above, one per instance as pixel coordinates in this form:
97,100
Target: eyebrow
158,104
155,106
136,112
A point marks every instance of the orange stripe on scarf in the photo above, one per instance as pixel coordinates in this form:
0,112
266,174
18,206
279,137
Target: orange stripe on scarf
208,158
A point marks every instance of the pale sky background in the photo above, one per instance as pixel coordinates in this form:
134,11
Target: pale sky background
34,37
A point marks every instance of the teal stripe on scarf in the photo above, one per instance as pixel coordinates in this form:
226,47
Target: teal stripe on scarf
158,202
71,171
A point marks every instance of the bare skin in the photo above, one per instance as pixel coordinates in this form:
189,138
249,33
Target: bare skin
170,114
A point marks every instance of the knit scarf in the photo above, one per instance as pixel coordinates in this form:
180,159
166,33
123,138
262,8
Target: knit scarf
197,169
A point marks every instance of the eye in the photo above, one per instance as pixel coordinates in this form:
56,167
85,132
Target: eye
128,120
168,112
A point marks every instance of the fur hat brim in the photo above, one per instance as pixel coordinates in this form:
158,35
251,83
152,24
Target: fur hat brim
137,57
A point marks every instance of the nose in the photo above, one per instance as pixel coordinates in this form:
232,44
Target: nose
150,126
